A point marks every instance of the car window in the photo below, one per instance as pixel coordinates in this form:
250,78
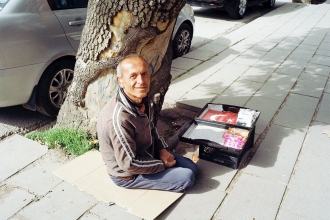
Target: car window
80,3
67,4
3,3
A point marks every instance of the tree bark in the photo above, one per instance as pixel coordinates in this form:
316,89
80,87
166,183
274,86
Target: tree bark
114,29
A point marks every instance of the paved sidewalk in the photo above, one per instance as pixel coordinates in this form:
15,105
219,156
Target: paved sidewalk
278,64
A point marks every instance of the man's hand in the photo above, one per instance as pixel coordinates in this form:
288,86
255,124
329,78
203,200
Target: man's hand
167,158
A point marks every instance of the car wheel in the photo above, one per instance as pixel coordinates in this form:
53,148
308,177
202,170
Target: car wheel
182,40
53,86
239,9
269,3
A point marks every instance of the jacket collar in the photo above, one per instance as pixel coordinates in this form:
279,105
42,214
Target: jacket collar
131,105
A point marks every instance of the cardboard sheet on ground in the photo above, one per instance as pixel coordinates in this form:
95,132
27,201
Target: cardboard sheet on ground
88,173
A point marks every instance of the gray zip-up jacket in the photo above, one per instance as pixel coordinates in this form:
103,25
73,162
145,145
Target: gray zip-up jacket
128,138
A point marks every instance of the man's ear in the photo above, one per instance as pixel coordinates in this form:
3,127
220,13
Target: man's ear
120,81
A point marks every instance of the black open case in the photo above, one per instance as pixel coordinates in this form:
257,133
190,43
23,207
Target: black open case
208,135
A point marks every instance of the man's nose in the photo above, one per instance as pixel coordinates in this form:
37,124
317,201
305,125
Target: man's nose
139,79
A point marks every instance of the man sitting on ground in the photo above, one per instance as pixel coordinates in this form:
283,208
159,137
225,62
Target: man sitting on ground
134,153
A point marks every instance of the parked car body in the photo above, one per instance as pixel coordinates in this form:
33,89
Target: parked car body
235,8
39,41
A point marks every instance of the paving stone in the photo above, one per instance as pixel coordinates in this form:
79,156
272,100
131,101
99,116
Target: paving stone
173,95
237,36
317,69
234,70
267,107
16,153
302,54
226,56
214,175
321,60
278,52
317,137
38,177
211,47
220,80
277,154
257,74
176,73
238,93
12,200
196,98
200,55
292,67
242,46
297,112
180,86
323,52
64,202
206,69
312,40
215,84
268,62
307,193
287,45
249,57
308,47
238,101
327,87
325,46
323,113
299,32
106,211
254,39
258,36
90,216
18,217
200,202
276,37
277,87
222,41
310,85
290,215
326,39
251,198
265,45
289,42
184,63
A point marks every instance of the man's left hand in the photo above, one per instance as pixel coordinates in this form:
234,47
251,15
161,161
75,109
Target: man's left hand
167,158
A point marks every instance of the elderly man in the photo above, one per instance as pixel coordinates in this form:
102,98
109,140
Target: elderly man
134,153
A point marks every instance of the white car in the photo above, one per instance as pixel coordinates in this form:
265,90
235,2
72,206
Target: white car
38,44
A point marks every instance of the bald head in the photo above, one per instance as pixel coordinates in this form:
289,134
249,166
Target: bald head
133,76
127,59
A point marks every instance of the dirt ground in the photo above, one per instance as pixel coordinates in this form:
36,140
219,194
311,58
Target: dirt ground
169,123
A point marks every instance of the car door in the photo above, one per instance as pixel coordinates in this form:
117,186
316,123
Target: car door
71,15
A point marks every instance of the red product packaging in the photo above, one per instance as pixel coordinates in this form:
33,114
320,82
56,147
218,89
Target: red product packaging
225,117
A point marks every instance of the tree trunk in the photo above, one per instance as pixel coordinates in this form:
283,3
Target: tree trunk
114,29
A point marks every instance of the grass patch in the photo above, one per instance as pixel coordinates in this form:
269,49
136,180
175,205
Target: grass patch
71,140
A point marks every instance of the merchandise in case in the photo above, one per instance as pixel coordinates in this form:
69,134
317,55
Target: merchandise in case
223,132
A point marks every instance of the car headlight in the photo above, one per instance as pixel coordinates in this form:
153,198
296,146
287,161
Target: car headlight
189,11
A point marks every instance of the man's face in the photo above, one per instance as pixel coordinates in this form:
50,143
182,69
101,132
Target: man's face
135,78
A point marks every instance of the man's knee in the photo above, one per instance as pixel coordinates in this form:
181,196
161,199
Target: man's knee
187,177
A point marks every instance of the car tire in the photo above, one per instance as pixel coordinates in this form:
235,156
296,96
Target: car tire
182,40
239,9
269,4
53,86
